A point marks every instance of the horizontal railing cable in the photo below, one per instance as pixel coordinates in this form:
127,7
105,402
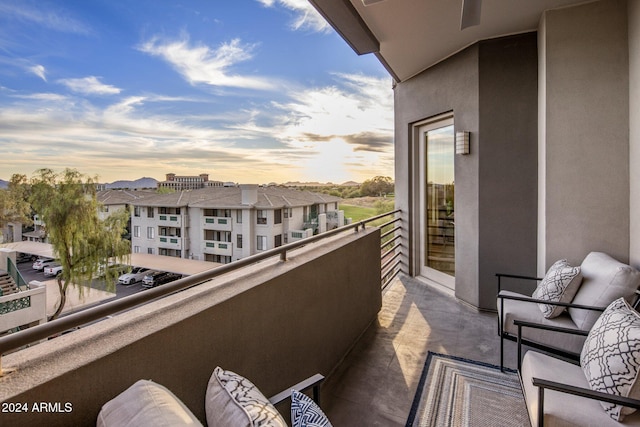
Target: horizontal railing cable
58,326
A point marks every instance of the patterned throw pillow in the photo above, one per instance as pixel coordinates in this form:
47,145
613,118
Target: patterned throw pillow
560,284
610,358
305,412
232,400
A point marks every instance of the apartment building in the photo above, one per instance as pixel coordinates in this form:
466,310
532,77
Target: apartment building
224,224
176,182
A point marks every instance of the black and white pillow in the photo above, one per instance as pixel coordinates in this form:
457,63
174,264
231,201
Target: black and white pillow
560,284
610,357
232,400
305,412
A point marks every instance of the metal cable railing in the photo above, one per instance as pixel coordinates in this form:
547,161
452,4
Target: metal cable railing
43,331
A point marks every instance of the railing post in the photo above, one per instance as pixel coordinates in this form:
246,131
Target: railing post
283,255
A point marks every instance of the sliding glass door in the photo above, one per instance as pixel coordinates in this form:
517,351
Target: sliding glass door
437,210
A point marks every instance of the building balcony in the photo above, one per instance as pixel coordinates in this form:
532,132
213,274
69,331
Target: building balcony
241,319
172,220
23,308
217,223
217,248
173,242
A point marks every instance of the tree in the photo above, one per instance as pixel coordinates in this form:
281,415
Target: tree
14,202
82,242
378,186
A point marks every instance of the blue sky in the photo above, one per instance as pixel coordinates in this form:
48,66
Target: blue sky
251,91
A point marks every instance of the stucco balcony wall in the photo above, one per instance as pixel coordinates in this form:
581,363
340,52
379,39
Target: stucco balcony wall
274,322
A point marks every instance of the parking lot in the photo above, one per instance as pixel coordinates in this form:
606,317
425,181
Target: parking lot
97,294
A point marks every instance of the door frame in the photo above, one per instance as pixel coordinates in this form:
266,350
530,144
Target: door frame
417,176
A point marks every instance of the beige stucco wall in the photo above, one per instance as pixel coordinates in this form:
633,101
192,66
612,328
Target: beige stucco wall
491,89
584,133
274,322
634,130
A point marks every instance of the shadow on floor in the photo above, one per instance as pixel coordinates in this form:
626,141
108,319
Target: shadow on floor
376,382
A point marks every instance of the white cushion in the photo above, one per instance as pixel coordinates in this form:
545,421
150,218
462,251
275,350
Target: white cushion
604,279
610,357
232,400
529,312
562,409
144,404
305,412
560,284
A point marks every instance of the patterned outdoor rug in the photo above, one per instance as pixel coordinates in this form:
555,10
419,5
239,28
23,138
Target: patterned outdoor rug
457,392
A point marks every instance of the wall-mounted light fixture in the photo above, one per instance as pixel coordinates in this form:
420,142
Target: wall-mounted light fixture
462,142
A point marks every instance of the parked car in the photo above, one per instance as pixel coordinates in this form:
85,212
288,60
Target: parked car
23,257
41,263
53,269
158,278
136,275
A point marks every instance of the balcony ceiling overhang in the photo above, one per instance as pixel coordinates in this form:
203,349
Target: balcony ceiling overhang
409,36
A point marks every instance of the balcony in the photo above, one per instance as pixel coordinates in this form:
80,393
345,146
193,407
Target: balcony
217,248
24,307
217,223
170,220
371,345
172,242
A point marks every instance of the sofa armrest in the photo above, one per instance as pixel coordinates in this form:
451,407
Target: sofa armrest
513,276
585,392
311,382
539,301
523,324
543,385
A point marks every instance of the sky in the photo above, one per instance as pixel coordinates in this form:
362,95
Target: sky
249,91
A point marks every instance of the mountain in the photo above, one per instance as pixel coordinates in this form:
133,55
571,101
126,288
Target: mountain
138,183
4,184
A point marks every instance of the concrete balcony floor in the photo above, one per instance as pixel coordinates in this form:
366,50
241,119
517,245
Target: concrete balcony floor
376,383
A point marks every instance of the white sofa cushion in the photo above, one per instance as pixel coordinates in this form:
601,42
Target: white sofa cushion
234,401
561,409
529,312
610,357
560,284
146,404
604,280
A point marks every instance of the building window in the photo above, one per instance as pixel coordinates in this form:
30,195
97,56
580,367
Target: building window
149,212
277,216
239,243
288,213
150,251
136,249
136,231
262,217
239,216
136,211
262,243
151,233
277,241
296,234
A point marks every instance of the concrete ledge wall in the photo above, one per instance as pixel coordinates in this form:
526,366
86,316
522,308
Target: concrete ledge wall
275,323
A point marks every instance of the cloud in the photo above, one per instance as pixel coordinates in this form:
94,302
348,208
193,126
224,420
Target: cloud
39,71
338,133
306,17
53,20
354,103
89,86
204,65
